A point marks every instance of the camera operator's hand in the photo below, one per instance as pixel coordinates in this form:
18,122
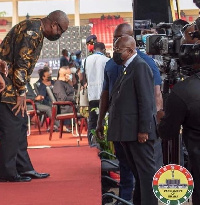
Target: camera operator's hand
160,115
99,131
21,105
142,137
2,84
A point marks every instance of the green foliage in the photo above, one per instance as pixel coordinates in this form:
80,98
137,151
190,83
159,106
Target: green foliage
104,144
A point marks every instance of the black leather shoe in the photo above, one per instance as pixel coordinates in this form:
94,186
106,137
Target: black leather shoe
17,178
35,175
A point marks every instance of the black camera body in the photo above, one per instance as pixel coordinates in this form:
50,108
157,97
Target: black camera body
189,54
162,44
167,43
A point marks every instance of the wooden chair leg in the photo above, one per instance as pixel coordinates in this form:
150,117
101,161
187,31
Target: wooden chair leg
51,129
61,128
38,123
48,122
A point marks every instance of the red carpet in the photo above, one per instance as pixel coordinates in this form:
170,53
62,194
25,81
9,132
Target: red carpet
75,179
67,139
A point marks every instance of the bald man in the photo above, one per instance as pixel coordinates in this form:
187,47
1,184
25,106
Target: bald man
64,91
21,49
63,88
111,73
132,117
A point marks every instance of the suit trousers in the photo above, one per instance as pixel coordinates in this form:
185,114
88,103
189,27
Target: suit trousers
14,157
127,181
141,158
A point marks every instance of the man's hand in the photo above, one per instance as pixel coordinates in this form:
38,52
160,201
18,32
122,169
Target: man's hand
99,131
160,115
142,137
21,105
2,84
39,98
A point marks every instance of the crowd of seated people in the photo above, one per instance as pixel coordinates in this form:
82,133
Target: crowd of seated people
64,88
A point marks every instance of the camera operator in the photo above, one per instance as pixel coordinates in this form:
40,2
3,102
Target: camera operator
183,109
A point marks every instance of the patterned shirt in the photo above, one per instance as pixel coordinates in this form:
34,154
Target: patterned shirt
20,49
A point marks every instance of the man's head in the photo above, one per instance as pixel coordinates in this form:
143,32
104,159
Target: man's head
99,47
78,54
124,48
123,29
90,40
44,75
64,73
65,52
55,24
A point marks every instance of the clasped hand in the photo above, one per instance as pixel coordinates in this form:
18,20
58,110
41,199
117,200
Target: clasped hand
20,106
99,131
142,137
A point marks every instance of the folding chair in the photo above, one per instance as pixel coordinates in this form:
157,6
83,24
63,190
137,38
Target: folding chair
33,113
61,117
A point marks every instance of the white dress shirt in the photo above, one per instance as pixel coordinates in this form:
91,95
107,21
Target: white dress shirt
129,61
94,69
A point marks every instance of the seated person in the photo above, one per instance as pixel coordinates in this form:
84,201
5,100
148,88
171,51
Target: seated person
44,80
64,91
38,103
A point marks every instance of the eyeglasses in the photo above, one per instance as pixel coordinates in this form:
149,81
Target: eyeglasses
116,49
62,31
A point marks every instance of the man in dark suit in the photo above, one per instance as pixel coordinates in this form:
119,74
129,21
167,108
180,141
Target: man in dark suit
132,119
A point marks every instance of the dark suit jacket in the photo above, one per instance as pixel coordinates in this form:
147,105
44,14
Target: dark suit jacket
132,104
63,91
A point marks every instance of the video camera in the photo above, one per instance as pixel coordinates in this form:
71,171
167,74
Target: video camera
190,51
168,41
167,44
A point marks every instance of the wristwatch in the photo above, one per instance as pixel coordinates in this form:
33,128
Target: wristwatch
22,93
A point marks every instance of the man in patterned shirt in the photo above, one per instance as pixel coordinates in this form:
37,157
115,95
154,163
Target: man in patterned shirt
20,49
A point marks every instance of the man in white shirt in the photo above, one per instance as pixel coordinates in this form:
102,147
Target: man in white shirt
94,70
